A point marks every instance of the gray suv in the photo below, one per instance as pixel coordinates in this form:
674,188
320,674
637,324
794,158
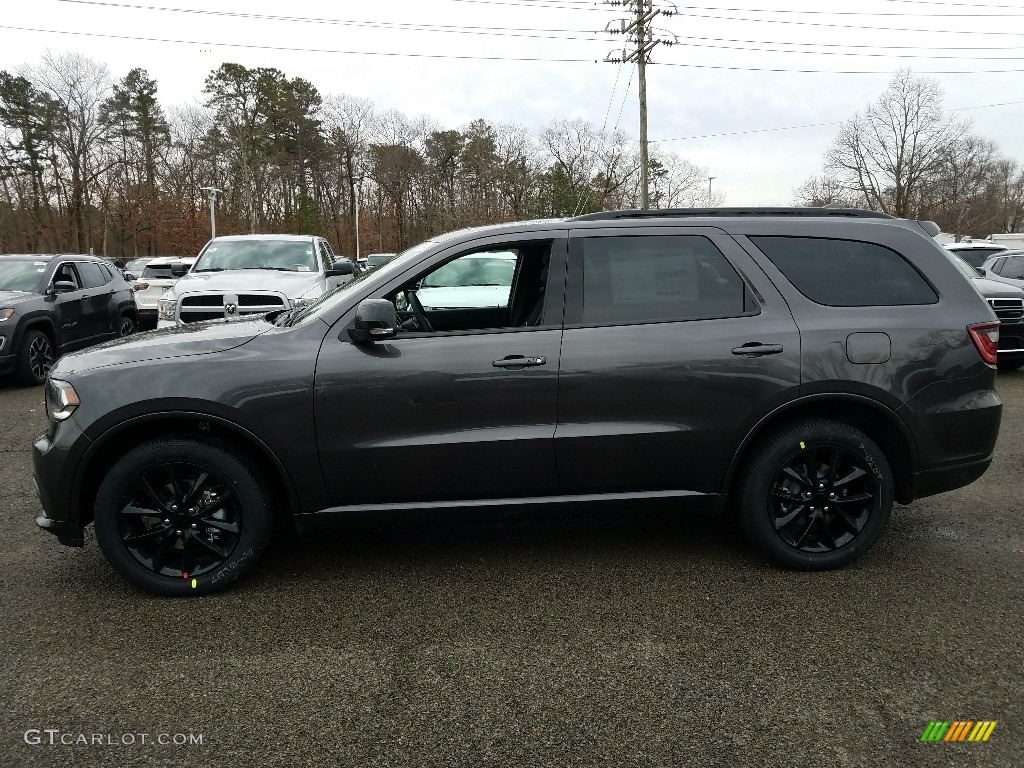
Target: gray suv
802,368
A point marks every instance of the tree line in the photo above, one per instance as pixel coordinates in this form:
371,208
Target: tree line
905,155
92,164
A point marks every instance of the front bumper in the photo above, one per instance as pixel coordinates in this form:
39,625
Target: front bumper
55,456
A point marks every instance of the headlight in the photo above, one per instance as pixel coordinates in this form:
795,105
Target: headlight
165,308
61,400
300,303
6,314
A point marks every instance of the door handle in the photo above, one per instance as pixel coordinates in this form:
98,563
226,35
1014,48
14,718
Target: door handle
518,361
757,349
86,296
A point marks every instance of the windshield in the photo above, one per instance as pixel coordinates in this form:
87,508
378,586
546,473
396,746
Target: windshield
283,255
21,275
472,270
332,298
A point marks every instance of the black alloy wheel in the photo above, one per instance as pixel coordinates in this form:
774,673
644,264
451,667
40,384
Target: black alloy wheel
822,498
816,494
177,516
126,326
36,358
179,519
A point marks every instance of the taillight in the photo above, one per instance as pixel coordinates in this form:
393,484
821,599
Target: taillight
986,338
139,286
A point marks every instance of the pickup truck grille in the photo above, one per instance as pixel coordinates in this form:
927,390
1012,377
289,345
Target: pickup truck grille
195,307
1008,310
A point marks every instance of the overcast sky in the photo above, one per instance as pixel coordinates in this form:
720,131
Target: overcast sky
714,97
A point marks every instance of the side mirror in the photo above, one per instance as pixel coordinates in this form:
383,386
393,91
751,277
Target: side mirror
179,269
130,277
64,286
376,320
982,271
341,267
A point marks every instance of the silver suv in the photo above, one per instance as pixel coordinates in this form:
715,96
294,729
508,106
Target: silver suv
244,275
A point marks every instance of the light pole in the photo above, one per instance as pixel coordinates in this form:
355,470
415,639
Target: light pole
710,178
211,195
355,191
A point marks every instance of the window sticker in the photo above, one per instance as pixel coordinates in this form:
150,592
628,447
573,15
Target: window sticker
303,268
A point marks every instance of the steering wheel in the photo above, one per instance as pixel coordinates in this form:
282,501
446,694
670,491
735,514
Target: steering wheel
417,310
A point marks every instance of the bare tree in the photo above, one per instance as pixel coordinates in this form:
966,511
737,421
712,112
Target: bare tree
79,86
890,151
818,191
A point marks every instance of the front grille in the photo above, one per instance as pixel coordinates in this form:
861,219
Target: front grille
1008,310
195,307
261,300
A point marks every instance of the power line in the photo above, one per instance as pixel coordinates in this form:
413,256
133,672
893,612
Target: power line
846,13
811,125
961,32
856,45
456,57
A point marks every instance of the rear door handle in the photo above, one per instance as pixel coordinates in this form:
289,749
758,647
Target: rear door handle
518,361
757,349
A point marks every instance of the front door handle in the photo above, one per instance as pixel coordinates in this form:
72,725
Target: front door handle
518,361
757,349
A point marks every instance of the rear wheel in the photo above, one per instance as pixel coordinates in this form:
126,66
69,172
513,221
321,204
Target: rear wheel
181,517
816,495
126,326
35,358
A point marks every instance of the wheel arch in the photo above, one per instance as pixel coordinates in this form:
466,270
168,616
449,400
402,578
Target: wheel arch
871,417
37,323
106,450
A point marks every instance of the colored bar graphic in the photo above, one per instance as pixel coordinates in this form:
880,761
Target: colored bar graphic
958,730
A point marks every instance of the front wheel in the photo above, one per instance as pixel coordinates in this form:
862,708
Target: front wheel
816,495
35,358
181,517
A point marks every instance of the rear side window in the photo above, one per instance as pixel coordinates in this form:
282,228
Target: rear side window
92,276
1012,267
846,273
658,278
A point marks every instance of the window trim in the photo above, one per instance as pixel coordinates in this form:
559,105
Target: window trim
81,279
574,297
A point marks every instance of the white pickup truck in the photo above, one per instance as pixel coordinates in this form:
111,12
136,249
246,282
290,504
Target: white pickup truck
241,275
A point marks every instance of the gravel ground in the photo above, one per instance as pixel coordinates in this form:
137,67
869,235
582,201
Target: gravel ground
639,638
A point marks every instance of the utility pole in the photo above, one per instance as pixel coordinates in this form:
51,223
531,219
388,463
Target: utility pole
641,38
710,179
211,195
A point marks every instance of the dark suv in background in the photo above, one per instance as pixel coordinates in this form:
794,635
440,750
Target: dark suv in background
50,305
801,367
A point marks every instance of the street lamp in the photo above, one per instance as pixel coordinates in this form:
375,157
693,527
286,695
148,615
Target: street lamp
710,178
211,194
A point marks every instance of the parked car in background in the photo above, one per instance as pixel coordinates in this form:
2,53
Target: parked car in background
51,305
975,252
157,276
134,267
804,368
241,275
1007,302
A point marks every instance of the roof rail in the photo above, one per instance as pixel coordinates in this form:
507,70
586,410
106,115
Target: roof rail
670,213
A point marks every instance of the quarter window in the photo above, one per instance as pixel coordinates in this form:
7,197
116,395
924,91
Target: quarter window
658,278
1012,267
846,273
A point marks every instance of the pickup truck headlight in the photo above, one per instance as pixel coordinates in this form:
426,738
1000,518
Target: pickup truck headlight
300,303
165,308
6,314
61,400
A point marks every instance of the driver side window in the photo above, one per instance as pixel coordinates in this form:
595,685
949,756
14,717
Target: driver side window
497,287
66,273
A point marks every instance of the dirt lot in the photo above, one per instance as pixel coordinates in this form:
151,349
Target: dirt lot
638,639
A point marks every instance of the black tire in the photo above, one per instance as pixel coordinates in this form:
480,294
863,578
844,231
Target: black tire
825,466
1009,365
182,517
36,356
126,326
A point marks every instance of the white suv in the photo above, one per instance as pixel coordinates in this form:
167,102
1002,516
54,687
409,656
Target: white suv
244,275
156,277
